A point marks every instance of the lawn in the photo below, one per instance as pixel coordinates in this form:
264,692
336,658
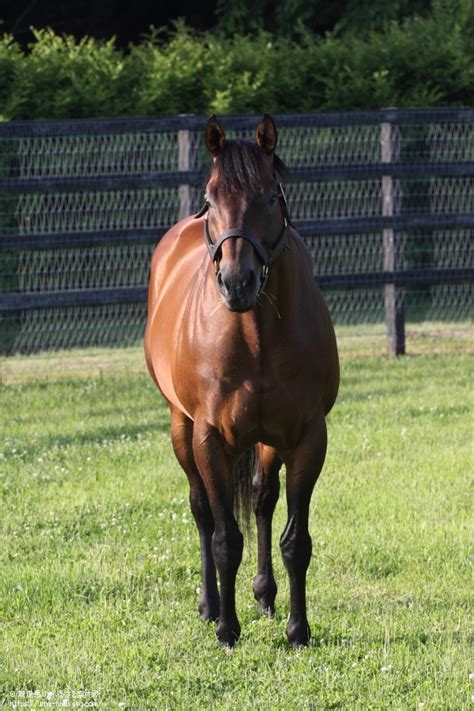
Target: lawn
99,564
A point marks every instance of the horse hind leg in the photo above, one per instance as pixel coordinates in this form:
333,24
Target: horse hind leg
181,436
265,491
303,468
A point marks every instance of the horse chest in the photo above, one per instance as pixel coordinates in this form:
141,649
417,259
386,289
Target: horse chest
263,400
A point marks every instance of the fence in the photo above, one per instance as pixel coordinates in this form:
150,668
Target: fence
384,200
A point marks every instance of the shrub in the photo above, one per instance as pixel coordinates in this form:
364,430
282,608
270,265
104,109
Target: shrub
422,62
11,62
60,77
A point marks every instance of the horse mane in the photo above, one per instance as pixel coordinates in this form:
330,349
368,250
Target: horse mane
238,167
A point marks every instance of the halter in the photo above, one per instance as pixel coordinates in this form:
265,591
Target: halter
267,256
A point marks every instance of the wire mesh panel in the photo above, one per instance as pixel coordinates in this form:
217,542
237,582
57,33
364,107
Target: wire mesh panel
116,154
77,327
384,200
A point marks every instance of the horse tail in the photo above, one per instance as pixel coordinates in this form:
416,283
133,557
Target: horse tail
244,471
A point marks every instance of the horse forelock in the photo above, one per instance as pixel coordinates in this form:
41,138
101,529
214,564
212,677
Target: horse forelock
239,166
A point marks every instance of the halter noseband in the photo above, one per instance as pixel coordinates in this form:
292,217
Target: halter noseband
267,256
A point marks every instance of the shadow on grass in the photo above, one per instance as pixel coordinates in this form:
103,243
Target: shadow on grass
98,437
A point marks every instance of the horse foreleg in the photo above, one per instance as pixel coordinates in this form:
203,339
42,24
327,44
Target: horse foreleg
265,491
303,468
216,469
181,435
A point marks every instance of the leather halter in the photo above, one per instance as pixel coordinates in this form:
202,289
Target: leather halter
267,255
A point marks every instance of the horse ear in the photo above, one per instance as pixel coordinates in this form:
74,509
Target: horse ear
267,134
215,137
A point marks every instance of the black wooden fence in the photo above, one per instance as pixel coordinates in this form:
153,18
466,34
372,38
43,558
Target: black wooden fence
385,200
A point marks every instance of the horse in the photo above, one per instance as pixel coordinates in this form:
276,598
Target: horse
241,345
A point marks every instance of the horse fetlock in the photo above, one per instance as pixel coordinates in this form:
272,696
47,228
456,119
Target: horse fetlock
265,590
209,608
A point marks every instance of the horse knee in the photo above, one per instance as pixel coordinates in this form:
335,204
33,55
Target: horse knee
295,546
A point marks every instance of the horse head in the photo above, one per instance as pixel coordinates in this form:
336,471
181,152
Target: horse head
245,212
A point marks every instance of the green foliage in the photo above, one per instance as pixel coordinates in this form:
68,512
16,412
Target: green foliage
169,77
11,63
424,61
68,78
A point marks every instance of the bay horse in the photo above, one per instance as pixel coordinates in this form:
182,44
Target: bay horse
240,343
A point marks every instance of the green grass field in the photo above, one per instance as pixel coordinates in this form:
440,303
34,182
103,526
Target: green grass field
99,564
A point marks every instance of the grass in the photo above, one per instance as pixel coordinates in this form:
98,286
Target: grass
99,566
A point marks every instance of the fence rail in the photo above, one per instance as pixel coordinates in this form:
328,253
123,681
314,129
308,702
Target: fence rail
139,181
384,199
186,122
305,228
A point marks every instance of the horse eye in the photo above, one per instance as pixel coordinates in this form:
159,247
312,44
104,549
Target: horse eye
272,200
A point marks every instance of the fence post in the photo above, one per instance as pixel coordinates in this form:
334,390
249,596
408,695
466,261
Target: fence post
393,259
184,163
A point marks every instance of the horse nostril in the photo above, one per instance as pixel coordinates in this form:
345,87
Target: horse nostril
220,281
251,280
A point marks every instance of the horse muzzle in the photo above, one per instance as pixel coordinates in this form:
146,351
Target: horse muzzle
238,289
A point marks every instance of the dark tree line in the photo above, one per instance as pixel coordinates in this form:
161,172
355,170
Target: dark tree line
129,21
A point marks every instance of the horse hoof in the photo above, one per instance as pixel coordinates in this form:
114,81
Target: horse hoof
298,634
228,636
267,608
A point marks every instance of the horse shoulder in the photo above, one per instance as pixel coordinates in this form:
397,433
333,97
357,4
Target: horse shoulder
181,239
174,264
